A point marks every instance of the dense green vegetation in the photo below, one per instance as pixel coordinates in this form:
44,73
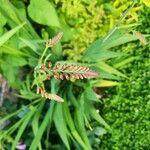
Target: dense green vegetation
127,108
58,105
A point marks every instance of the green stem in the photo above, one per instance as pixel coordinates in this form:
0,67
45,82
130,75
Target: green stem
44,52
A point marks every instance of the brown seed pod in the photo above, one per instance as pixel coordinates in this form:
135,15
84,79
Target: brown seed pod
48,77
66,76
54,40
49,65
63,67
72,76
61,76
68,72
56,76
43,93
141,37
57,66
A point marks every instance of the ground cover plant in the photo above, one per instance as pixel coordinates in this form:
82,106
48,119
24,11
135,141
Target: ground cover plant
126,110
51,95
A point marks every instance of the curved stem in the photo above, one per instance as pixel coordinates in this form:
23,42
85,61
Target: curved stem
44,52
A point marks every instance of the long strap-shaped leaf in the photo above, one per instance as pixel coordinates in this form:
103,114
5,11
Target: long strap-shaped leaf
42,128
47,120
70,123
35,121
9,34
98,118
59,120
22,127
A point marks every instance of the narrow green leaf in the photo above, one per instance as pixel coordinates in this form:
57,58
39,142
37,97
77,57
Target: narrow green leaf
9,116
71,97
98,50
9,34
94,55
42,128
6,8
80,122
35,121
71,125
15,113
89,94
3,20
121,39
13,128
22,127
28,43
106,75
124,62
109,69
124,15
103,83
60,124
10,50
14,18
98,118
79,116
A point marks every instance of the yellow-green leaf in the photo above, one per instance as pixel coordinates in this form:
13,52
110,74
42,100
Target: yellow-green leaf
105,83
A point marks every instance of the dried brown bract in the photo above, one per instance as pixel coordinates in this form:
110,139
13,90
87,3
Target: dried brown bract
141,37
50,96
54,40
69,71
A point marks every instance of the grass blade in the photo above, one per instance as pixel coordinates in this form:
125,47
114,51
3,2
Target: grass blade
122,63
10,33
42,128
22,127
103,83
11,50
110,69
71,126
98,118
58,120
35,121
81,127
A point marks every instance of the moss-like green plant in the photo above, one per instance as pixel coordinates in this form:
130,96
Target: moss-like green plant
130,101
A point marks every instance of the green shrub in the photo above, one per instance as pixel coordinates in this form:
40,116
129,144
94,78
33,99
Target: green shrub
95,18
36,120
127,108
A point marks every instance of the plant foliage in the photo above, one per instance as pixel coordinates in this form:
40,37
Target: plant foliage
25,28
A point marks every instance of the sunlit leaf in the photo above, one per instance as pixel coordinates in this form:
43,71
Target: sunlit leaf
43,12
104,83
